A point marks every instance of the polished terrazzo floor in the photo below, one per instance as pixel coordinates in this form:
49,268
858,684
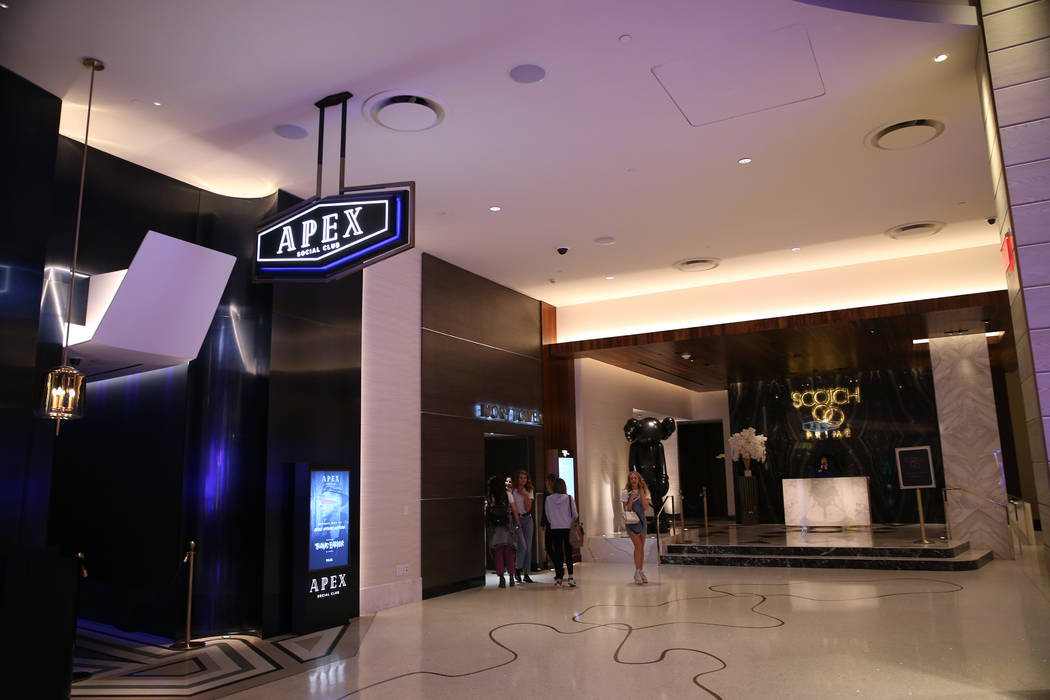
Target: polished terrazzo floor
699,631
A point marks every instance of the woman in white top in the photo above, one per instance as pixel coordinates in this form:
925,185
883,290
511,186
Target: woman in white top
561,512
523,494
635,497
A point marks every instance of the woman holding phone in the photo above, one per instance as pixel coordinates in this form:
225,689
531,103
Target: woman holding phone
635,498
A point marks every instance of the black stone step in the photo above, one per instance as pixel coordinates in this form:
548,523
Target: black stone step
929,551
966,561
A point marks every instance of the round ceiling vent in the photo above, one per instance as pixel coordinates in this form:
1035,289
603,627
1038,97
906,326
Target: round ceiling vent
902,135
916,229
697,264
401,111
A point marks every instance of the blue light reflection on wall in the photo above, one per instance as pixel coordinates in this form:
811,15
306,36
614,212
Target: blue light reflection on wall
225,469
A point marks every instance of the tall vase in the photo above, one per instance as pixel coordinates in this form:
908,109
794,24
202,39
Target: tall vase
747,466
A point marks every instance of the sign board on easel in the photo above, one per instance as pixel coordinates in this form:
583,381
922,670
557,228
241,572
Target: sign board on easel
915,471
915,468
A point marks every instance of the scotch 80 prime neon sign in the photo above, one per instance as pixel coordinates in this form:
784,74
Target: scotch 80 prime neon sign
825,407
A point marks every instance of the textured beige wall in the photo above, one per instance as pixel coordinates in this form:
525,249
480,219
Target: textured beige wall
606,397
390,433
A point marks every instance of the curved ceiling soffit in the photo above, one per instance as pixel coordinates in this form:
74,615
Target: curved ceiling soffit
952,12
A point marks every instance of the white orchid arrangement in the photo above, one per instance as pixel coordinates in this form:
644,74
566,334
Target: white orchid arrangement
747,445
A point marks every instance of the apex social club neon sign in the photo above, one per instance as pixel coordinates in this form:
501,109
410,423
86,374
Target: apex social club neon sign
325,238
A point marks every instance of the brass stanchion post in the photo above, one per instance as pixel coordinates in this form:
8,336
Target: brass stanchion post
947,520
681,515
922,520
704,494
187,644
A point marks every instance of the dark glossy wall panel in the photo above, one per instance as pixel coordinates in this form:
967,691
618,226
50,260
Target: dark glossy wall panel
116,497
211,451
480,342
314,410
460,303
28,138
453,463
122,201
225,468
897,409
453,543
457,374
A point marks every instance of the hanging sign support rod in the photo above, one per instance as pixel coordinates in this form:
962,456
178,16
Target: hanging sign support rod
339,98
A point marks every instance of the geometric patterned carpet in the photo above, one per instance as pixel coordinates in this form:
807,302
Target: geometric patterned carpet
126,665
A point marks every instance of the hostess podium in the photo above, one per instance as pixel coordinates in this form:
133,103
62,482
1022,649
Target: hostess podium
833,502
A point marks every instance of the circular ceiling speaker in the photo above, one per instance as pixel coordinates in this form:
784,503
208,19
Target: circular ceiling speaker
400,111
916,229
902,135
527,73
290,131
697,264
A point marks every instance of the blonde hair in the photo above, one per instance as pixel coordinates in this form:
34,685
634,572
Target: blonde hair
643,487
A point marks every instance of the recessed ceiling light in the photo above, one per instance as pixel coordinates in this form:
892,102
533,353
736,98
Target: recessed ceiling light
604,240
941,58
610,277
3,6
494,208
527,73
157,104
744,161
795,250
624,38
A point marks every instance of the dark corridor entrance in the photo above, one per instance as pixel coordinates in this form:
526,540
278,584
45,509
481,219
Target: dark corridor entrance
699,465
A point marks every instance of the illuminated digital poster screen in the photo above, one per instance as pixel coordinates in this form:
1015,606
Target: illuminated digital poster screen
329,532
567,471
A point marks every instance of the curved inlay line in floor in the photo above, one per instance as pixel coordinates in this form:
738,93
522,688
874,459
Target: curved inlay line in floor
630,629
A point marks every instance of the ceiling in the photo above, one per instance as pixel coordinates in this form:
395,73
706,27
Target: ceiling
634,133
842,342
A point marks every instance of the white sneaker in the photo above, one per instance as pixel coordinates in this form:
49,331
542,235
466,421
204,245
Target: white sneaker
644,579
638,577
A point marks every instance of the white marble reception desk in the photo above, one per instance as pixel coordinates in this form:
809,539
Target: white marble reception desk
837,501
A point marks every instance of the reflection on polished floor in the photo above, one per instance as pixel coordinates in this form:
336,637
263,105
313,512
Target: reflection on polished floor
694,631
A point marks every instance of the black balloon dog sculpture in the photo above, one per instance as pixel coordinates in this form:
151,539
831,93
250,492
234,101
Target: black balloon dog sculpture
647,453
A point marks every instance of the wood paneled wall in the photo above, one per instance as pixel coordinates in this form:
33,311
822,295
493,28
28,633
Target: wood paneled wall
480,343
559,388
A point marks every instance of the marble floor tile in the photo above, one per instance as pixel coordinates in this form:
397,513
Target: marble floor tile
714,632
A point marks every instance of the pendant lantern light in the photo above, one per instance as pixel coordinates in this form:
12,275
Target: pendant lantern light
63,392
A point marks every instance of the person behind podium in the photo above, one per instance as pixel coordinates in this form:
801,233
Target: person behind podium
823,469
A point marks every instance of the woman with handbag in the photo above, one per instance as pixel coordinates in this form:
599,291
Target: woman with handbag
636,500
501,528
561,513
